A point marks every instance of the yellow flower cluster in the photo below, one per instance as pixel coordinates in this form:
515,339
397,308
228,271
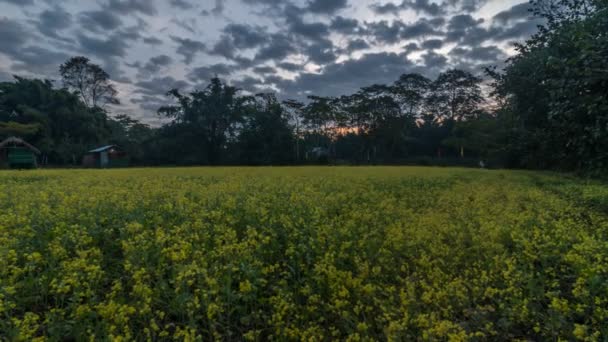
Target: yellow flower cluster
313,253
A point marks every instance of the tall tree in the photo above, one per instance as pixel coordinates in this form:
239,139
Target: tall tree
265,137
295,110
89,81
209,117
455,95
410,91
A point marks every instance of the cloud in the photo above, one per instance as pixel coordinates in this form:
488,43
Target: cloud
479,53
38,60
321,52
347,26
112,47
279,47
203,74
99,21
292,46
188,48
152,41
326,6
348,76
125,7
434,60
51,21
154,65
418,6
356,45
515,13
13,35
160,85
181,4
19,2
432,44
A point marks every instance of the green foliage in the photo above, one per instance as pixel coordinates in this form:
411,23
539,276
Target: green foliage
302,254
555,89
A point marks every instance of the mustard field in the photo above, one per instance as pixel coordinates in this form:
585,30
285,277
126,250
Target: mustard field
313,253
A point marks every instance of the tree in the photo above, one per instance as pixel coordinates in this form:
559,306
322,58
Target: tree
208,118
455,95
555,88
410,92
265,137
295,109
89,81
54,120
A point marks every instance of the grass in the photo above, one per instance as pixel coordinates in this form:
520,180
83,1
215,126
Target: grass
320,253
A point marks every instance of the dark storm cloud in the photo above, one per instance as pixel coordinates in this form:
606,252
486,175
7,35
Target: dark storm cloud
152,103
39,60
326,6
154,65
395,31
264,70
188,48
292,67
35,59
187,24
479,53
410,47
428,7
51,21
385,32
519,31
468,31
205,73
387,8
434,60
345,26
19,2
279,47
152,41
99,21
515,13
356,45
418,6
240,36
347,77
126,7
181,4
424,6
13,35
160,85
264,40
249,83
308,30
432,44
111,47
467,5
321,52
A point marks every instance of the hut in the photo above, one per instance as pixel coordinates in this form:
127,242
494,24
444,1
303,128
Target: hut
106,157
16,153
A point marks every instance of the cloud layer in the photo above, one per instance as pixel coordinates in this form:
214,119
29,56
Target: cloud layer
293,47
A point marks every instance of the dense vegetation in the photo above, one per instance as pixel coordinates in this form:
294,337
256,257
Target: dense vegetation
547,109
302,253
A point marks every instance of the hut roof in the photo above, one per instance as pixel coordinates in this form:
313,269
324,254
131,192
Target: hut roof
18,141
102,148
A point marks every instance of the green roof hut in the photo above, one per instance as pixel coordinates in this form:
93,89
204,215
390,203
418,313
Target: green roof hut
17,153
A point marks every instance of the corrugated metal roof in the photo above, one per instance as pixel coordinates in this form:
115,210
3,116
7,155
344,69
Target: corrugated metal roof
101,149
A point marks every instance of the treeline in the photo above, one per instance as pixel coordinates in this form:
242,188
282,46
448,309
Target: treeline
547,109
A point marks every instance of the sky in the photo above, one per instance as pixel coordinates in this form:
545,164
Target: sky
292,47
